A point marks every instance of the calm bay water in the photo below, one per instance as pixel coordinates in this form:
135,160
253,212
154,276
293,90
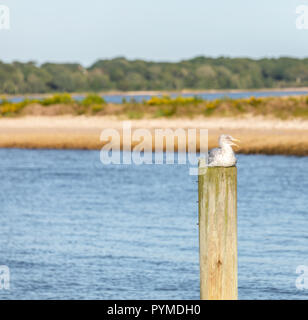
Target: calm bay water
118,98
71,228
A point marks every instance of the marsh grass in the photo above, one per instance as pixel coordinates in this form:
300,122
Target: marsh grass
252,141
135,114
165,106
166,111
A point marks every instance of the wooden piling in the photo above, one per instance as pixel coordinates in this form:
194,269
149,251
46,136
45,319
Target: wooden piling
218,232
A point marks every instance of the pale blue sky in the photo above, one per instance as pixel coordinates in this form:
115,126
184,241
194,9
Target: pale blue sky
160,30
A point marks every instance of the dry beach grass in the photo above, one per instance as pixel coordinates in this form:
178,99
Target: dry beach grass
258,135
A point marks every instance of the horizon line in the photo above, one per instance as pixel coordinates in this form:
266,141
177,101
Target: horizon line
154,61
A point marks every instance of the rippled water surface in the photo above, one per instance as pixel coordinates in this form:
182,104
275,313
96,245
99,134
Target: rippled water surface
71,228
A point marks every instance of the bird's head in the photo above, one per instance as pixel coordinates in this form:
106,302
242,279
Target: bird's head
226,139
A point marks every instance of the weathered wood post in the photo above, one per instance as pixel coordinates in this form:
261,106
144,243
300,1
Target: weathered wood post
218,232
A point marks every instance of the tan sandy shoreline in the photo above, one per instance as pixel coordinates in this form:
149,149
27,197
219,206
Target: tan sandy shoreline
258,135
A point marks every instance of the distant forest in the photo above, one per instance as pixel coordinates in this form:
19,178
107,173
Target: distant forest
121,74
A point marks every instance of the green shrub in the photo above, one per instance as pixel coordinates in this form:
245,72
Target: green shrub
63,98
93,99
27,101
3,100
97,108
166,100
239,106
211,105
8,109
209,111
254,101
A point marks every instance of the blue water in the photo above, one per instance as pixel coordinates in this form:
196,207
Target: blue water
207,96
71,228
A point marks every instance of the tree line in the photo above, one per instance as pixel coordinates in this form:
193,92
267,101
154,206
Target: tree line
200,73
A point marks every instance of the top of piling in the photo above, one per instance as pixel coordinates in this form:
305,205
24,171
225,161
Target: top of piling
203,167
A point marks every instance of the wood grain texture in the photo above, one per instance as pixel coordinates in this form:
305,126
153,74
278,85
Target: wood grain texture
218,232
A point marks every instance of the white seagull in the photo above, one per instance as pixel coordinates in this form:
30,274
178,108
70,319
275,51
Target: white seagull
223,156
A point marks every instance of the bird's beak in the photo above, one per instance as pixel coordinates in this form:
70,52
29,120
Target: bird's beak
233,139
234,144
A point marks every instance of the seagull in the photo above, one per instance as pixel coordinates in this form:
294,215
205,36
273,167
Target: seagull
223,156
